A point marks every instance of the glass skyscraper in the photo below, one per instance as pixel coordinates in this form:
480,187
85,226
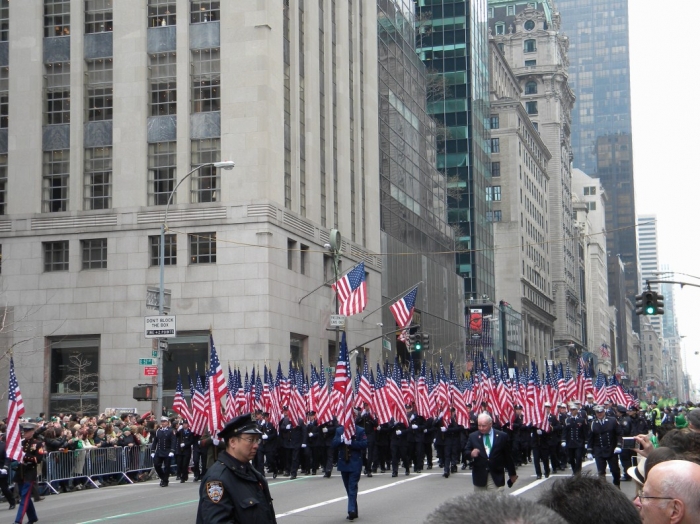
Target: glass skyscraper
452,41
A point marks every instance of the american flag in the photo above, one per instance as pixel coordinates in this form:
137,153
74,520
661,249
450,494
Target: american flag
323,413
216,391
604,351
231,395
199,417
364,391
601,389
393,384
352,291
403,308
179,402
382,405
343,385
422,399
15,409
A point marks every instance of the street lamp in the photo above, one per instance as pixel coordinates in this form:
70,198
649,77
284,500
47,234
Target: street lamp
563,346
228,165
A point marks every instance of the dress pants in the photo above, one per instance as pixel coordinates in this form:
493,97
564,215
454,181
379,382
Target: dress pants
26,504
490,486
162,467
351,480
600,464
182,460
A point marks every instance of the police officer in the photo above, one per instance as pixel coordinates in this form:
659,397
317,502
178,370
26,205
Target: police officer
553,437
350,463
26,473
574,437
232,490
562,416
448,432
399,447
368,422
605,444
291,432
626,427
185,438
521,437
268,445
416,437
328,432
315,445
655,417
163,450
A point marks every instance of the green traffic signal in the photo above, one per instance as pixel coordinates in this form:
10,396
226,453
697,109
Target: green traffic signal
650,310
418,346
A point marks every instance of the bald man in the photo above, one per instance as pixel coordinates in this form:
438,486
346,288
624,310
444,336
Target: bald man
671,494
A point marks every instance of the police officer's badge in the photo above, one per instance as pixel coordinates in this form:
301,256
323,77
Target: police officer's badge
215,491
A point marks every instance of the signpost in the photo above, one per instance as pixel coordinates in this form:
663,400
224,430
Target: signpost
338,321
160,326
146,362
150,371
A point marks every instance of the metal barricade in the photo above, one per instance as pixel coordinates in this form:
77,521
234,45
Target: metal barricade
137,459
104,463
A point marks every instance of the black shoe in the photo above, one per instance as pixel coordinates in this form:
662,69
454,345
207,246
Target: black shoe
394,474
196,479
446,475
408,472
464,466
453,469
182,481
626,478
292,477
375,470
352,515
546,475
12,506
430,466
369,474
539,477
383,471
327,474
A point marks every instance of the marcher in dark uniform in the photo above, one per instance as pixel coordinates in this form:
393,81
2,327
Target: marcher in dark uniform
369,423
626,427
416,437
553,437
350,464
232,490
605,443
521,437
428,442
268,446
292,435
561,417
383,447
464,436
574,437
539,444
184,438
399,447
4,474
314,450
328,432
449,432
26,473
163,450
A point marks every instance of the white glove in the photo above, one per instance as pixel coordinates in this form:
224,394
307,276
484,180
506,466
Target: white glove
171,454
443,429
589,456
264,437
311,434
153,455
414,426
3,471
425,431
289,426
398,431
412,417
563,444
539,431
215,441
347,441
303,445
182,445
590,417
325,430
618,451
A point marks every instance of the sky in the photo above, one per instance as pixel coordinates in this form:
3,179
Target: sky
665,120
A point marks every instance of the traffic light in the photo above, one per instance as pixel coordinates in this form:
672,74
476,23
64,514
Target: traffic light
639,304
145,392
412,341
426,341
649,302
659,304
418,346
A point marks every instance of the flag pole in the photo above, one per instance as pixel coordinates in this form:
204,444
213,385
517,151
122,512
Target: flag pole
393,299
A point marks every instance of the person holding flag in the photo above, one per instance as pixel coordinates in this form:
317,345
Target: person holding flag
32,455
350,463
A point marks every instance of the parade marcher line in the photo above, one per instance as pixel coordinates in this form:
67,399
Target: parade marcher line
339,499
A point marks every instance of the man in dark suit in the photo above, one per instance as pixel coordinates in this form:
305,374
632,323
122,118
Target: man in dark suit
490,450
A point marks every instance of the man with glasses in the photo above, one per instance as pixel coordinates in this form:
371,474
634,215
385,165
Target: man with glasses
671,494
232,490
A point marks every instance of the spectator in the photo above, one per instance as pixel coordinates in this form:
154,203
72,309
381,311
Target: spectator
694,420
671,494
584,499
492,508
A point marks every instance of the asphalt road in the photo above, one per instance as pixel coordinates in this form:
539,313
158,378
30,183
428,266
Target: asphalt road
312,499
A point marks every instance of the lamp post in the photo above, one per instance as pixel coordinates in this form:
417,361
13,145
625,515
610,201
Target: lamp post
228,164
570,345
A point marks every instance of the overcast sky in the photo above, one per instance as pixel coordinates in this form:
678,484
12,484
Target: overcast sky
665,122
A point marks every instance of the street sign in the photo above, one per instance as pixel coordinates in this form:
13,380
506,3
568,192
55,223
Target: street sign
337,321
160,326
153,298
386,344
146,362
150,371
154,353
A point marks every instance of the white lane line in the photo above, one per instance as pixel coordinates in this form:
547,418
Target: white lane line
541,481
339,499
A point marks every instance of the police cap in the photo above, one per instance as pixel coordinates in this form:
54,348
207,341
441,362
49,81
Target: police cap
599,409
621,409
28,426
518,406
240,425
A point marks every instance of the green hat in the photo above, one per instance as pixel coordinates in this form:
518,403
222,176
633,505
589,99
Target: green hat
681,422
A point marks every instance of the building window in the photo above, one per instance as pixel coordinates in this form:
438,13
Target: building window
3,184
500,29
202,248
510,10
530,63
74,380
98,178
536,126
495,122
502,48
55,181
170,258
162,159
291,251
99,89
56,18
495,145
531,88
304,259
161,13
163,76
591,206
493,216
56,256
529,25
94,253
204,11
493,194
495,169
530,46
531,108
491,11
98,16
57,93
4,20
589,190
206,81
4,97
206,180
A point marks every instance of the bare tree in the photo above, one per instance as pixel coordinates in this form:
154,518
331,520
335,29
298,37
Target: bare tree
81,382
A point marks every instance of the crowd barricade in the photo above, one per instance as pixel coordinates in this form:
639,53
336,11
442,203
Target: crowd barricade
93,465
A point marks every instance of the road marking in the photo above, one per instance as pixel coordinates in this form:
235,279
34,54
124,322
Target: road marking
339,499
125,515
542,481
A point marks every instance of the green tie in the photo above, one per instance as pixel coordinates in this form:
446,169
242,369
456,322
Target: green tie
487,440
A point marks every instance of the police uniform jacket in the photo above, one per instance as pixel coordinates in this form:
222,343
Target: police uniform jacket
164,442
452,432
294,436
33,456
416,435
383,434
234,492
330,430
270,443
313,436
553,435
638,426
521,432
625,425
350,456
575,432
369,423
186,437
604,437
402,434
